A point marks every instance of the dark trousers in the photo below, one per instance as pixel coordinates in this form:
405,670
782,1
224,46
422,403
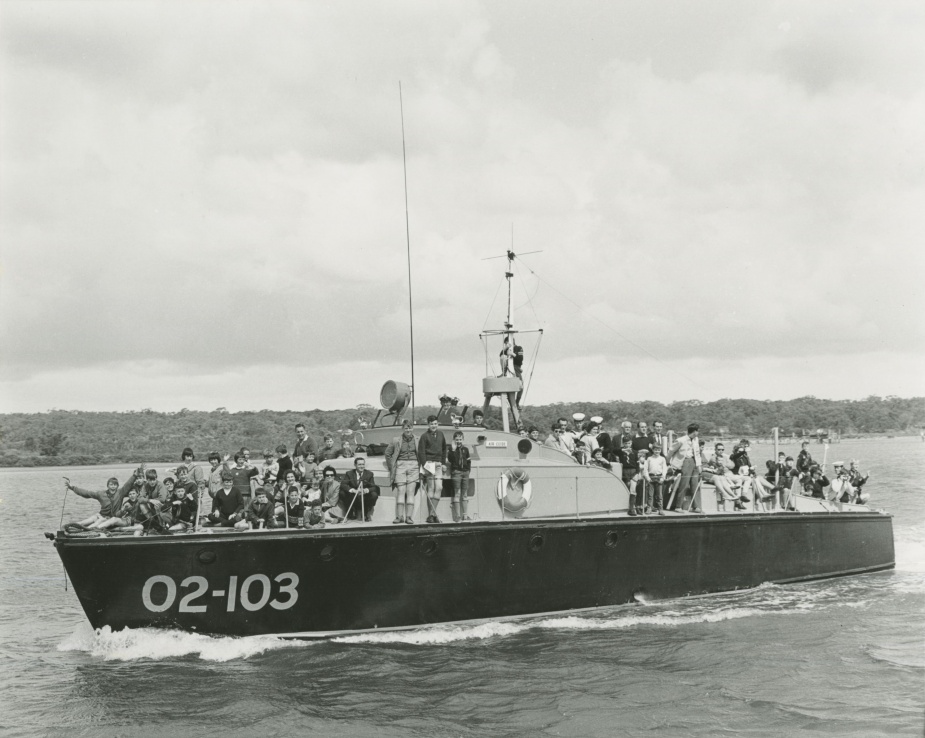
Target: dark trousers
654,495
370,496
690,482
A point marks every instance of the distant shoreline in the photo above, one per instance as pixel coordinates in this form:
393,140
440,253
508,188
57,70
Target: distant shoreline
759,440
77,438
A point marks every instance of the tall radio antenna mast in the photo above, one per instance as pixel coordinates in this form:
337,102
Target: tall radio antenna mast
404,162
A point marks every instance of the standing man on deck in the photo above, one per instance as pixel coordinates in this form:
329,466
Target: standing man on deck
685,455
304,442
626,434
657,436
432,456
641,440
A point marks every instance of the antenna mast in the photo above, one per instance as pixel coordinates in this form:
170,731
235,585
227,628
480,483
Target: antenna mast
509,275
508,389
404,162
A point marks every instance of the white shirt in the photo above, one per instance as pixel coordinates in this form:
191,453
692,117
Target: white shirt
686,448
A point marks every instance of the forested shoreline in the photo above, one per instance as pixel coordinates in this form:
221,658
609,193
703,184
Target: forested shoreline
66,437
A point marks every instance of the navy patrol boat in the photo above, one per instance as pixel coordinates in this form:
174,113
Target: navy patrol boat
558,540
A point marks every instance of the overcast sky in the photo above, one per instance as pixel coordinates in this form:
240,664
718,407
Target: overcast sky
202,204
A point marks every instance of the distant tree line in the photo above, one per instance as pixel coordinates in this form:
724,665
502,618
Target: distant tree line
70,438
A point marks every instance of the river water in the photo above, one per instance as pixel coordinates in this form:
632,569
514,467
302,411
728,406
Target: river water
843,657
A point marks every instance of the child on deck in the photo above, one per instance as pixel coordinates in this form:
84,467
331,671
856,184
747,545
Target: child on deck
110,501
459,465
260,513
291,516
597,459
307,467
227,505
637,491
183,507
312,490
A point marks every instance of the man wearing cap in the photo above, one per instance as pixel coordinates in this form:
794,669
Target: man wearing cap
588,441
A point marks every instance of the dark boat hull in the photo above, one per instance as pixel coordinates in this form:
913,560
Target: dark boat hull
315,583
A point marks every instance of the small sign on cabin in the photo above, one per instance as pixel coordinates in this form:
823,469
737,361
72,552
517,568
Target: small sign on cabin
496,444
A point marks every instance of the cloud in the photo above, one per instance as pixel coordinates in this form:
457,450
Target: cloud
223,189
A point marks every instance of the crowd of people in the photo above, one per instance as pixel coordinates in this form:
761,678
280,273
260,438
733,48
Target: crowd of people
662,475
303,489
286,490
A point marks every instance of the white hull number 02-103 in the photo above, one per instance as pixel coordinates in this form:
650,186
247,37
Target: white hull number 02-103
253,593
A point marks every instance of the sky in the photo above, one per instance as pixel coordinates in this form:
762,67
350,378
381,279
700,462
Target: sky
202,204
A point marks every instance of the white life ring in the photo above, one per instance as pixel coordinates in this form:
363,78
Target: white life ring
514,491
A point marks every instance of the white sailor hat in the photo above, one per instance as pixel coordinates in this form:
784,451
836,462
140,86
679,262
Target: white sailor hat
597,419
838,463
578,417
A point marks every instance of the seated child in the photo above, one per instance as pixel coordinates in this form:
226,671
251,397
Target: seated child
260,513
126,516
312,490
182,506
314,515
291,516
597,459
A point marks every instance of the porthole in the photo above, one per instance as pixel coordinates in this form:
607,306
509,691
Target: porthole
428,547
610,540
206,557
327,553
537,541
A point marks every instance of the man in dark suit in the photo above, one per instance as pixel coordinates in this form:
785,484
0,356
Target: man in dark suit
657,436
359,483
